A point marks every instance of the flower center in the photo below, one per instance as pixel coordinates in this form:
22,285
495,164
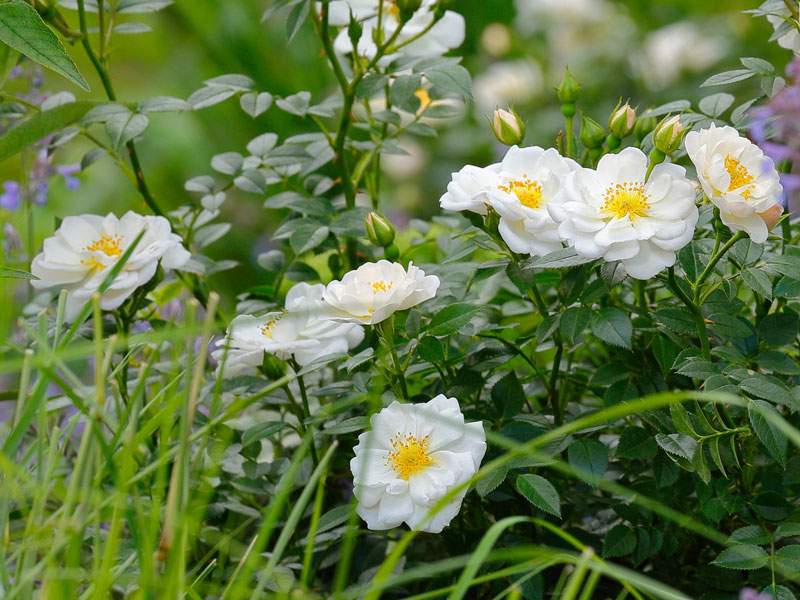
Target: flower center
392,8
381,286
626,199
410,455
267,328
529,193
108,244
740,176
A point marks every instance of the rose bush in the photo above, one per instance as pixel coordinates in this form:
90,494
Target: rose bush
579,380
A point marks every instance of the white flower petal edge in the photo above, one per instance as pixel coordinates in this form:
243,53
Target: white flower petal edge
737,177
84,248
613,213
303,331
447,33
375,291
412,457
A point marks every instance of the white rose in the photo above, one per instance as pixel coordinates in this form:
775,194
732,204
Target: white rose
737,177
447,33
613,213
375,291
412,457
82,251
303,331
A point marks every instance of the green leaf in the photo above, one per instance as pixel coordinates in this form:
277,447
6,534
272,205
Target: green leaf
677,319
508,395
142,6
16,274
788,530
332,518
743,557
574,321
489,482
541,493
588,457
728,77
255,104
761,386
787,559
677,444
635,442
452,78
752,534
451,318
772,506
758,281
620,541
124,127
261,431
613,326
716,104
680,417
40,126
567,257
785,264
22,28
774,439
757,64
778,329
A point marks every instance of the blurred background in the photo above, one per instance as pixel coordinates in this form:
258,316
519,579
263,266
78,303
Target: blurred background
648,52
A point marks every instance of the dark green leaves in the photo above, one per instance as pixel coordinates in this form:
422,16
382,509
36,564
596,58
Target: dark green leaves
635,442
589,458
22,28
613,326
620,541
508,395
773,438
540,493
41,125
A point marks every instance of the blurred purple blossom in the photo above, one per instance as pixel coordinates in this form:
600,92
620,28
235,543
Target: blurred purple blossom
9,199
751,594
776,129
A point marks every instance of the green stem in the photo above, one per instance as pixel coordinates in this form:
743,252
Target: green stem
109,89
570,139
712,263
386,332
699,321
641,297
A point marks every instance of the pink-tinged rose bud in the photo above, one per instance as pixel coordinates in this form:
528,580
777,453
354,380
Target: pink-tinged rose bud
621,122
668,134
772,216
508,128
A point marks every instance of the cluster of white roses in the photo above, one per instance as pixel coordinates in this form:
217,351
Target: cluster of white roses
624,210
322,320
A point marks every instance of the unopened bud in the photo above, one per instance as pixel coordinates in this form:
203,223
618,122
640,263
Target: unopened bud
772,216
273,367
668,134
592,133
407,8
642,127
569,90
508,128
621,122
379,229
354,30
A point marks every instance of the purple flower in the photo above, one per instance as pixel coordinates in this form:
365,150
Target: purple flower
751,594
68,173
9,199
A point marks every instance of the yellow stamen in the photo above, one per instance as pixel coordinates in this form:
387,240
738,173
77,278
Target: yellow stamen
626,199
424,100
108,245
381,286
740,176
392,9
529,193
410,455
270,325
